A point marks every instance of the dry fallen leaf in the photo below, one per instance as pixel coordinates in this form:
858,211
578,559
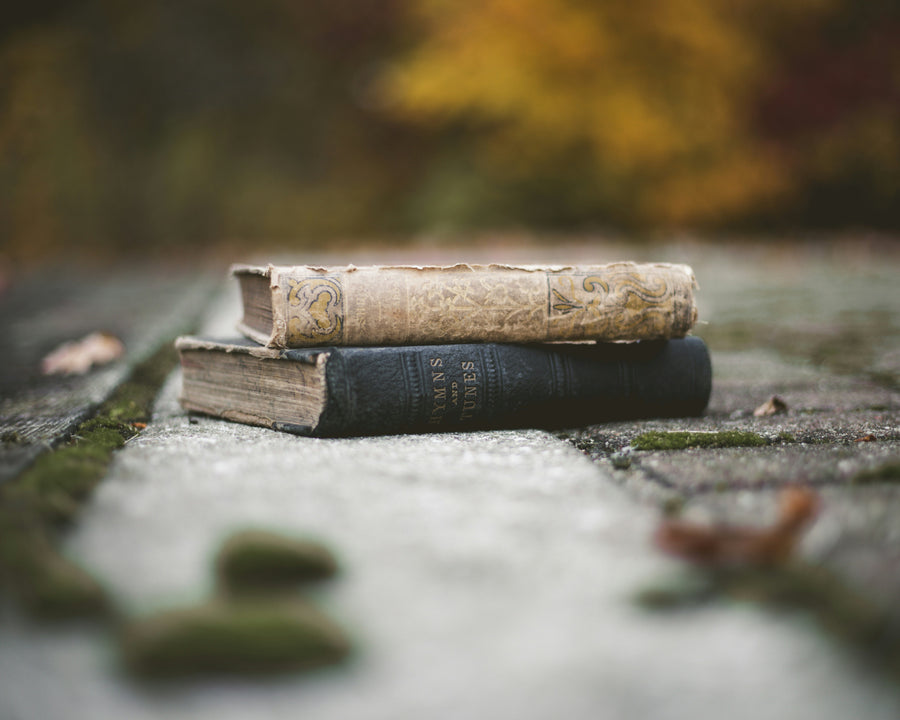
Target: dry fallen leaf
866,438
773,406
729,545
78,356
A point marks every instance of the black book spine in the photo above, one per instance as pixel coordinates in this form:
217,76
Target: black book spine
437,388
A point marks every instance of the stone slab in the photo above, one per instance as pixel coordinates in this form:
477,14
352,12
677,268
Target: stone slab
142,307
495,574
483,575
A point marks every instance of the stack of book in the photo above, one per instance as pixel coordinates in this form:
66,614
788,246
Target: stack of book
337,351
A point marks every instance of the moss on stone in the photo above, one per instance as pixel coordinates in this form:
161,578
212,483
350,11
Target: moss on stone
236,638
71,471
841,611
659,440
60,480
49,508
673,506
131,403
683,591
133,400
50,493
60,590
255,560
888,472
105,432
11,437
19,546
47,585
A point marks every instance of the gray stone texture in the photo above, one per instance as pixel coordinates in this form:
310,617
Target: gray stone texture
142,307
495,574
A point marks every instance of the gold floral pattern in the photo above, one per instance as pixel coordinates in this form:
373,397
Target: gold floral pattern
315,308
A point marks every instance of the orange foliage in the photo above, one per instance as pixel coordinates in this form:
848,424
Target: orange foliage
660,94
46,143
155,126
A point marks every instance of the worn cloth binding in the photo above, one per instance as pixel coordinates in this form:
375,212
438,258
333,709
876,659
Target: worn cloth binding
305,306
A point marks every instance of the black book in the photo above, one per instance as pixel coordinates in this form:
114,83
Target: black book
343,391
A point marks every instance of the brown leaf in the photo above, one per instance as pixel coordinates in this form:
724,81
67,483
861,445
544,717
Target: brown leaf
78,356
773,406
866,438
729,545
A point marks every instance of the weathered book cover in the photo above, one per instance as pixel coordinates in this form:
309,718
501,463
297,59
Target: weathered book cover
305,306
341,391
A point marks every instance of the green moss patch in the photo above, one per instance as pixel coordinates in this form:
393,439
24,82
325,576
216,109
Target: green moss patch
11,437
798,587
49,494
658,440
48,585
57,589
888,472
236,638
133,400
254,560
244,636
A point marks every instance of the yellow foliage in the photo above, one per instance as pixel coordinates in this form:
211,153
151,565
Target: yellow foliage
713,193
48,150
657,91
870,140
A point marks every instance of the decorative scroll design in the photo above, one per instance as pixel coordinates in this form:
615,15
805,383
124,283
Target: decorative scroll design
316,311
467,306
621,304
421,305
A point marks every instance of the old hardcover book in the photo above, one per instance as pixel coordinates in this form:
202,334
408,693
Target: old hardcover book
340,391
404,305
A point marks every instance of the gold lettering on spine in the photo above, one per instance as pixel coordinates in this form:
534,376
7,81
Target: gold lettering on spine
438,391
470,389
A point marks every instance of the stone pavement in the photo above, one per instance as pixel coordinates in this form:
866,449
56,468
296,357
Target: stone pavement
43,310
497,574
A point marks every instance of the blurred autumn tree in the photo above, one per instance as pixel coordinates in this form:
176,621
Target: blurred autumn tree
666,111
126,124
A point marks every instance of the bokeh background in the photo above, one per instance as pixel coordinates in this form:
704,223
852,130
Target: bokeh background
166,126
